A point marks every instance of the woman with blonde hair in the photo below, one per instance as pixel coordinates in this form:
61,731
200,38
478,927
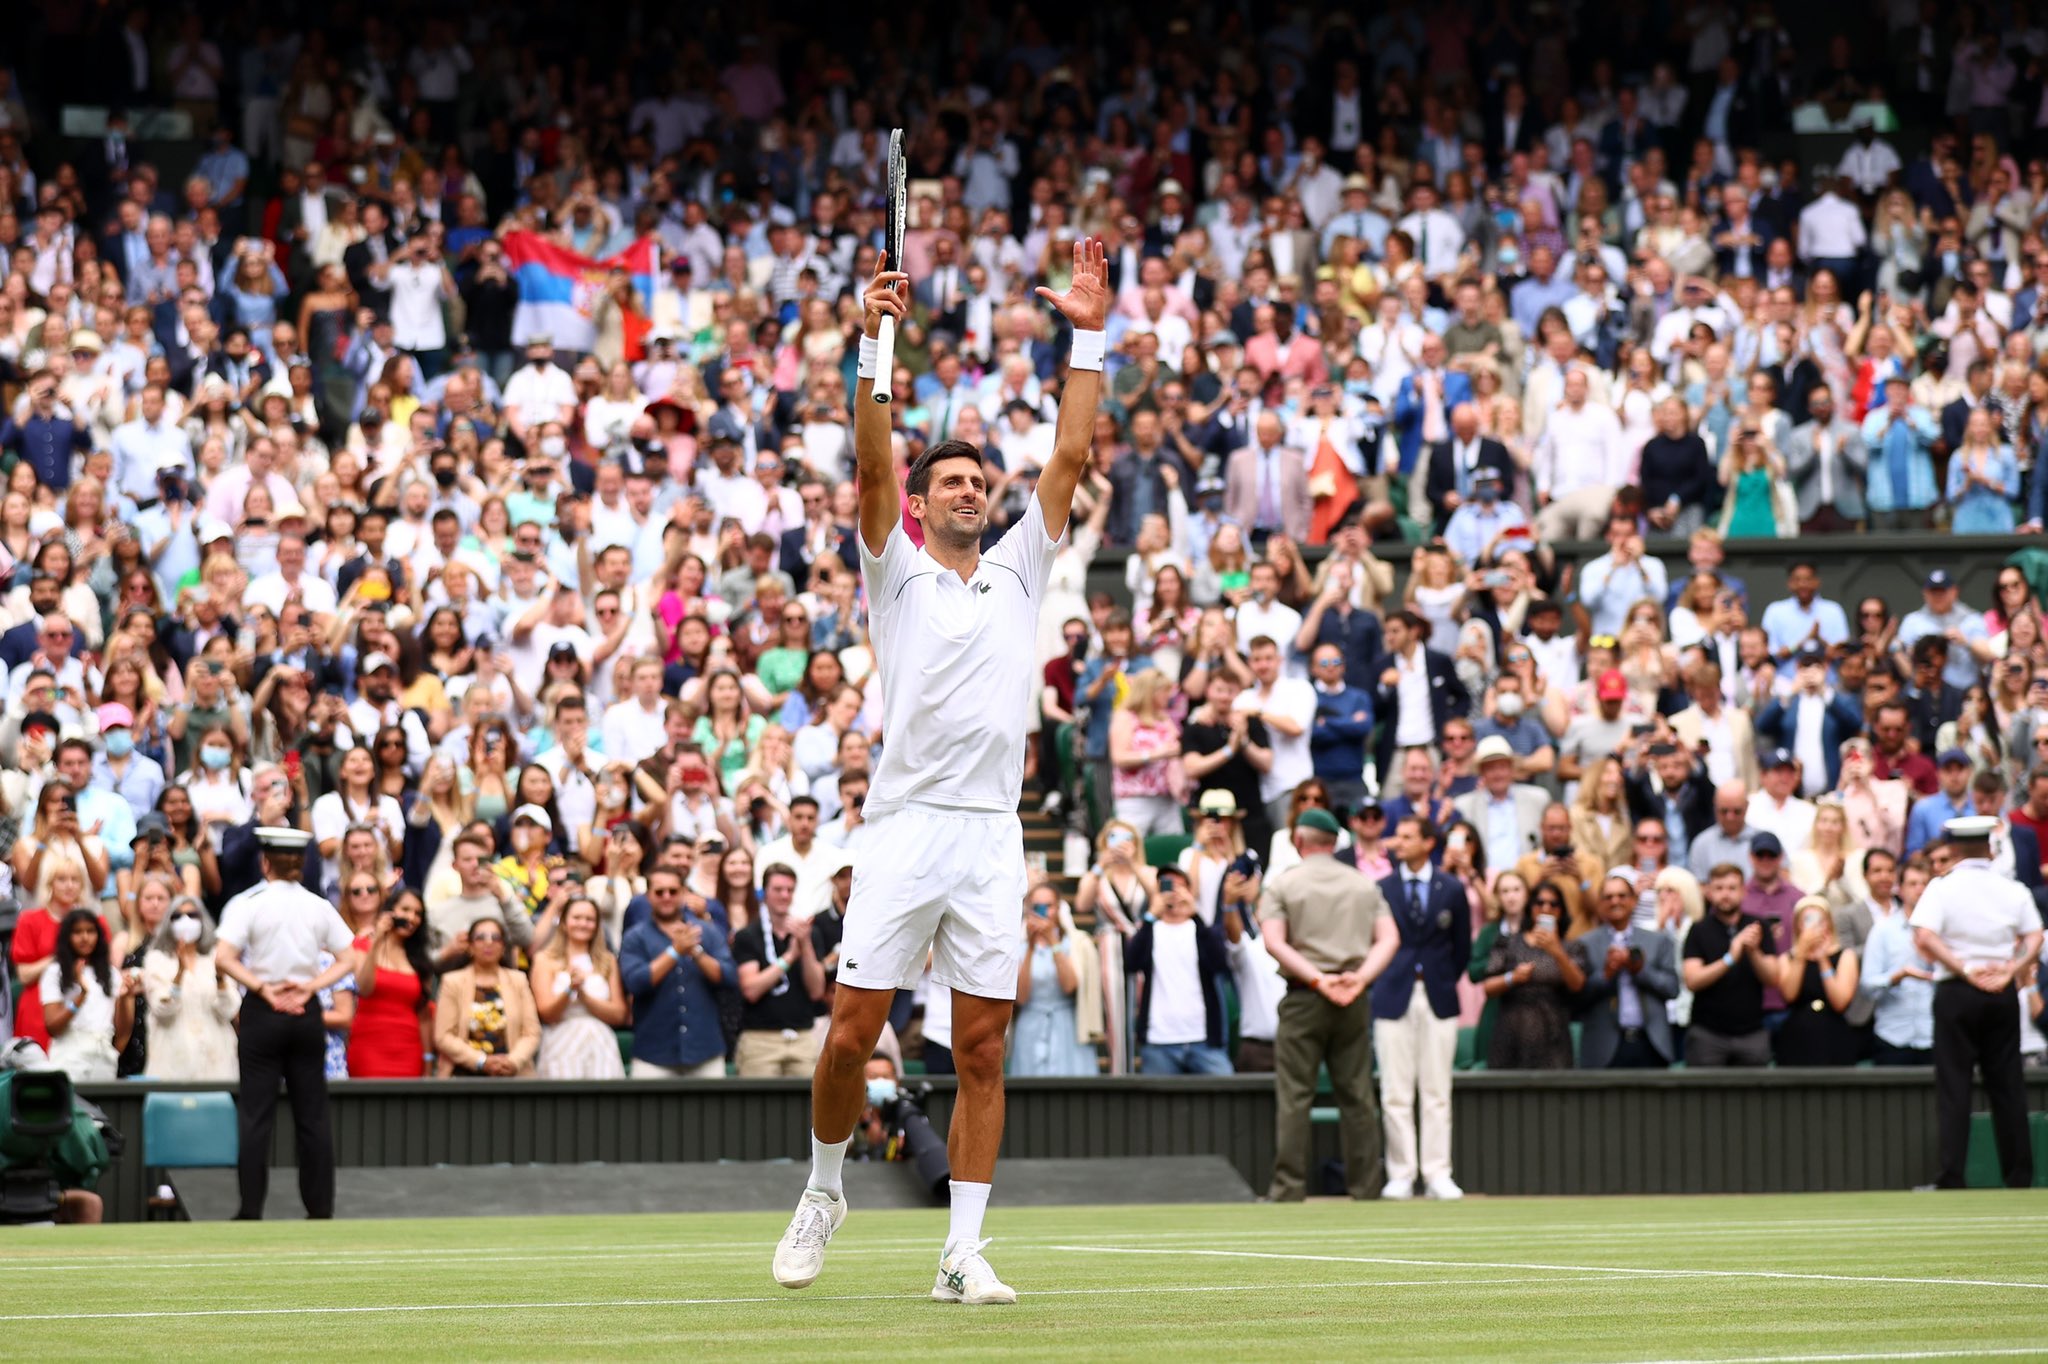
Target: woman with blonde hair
1817,977
1224,574
579,999
1144,752
1753,472
1601,828
1831,864
773,763
1119,887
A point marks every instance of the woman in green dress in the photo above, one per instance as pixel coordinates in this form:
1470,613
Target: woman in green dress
1751,471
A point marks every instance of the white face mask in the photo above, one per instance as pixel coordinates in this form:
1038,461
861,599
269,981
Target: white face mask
553,446
185,929
1508,705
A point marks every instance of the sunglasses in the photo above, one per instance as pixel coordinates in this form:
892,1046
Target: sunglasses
363,890
477,938
1602,642
1650,838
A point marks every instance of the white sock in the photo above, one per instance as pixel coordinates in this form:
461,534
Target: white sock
826,1158
970,1201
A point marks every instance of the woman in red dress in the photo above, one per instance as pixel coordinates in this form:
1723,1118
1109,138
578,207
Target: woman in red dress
35,941
393,1030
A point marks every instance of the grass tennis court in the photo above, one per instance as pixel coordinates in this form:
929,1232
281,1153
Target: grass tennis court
1835,1277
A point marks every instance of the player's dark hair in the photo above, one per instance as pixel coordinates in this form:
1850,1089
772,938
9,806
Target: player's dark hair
773,870
811,801
920,481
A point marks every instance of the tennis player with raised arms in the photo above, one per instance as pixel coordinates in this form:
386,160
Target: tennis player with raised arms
943,870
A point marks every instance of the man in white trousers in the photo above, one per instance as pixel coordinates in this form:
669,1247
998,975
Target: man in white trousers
1415,1013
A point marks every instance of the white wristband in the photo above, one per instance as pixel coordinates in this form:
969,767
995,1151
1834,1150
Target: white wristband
1087,352
866,365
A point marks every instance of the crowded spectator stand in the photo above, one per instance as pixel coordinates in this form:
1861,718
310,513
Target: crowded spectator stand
415,439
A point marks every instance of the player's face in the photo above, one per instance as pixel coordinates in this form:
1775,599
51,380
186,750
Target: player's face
956,503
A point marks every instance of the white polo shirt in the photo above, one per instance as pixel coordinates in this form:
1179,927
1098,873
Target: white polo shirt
958,667
1980,914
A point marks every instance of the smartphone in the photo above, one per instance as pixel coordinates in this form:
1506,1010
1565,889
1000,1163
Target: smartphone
1456,842
71,803
294,763
1041,910
1548,922
1638,731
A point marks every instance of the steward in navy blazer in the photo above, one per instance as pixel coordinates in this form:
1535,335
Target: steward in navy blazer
1436,946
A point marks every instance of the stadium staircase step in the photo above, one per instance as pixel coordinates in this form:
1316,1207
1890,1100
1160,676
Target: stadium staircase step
1045,840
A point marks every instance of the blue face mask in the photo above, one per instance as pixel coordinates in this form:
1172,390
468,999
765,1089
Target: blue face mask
881,1090
1358,388
216,758
1508,257
120,743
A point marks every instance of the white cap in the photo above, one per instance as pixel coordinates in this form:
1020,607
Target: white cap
373,661
536,814
1492,748
1971,828
209,531
281,839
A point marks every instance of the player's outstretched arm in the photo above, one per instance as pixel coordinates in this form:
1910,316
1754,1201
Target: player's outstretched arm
881,501
1085,304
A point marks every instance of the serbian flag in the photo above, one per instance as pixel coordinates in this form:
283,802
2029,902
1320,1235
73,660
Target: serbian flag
558,289
1334,489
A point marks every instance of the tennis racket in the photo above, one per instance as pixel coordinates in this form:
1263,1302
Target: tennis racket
892,243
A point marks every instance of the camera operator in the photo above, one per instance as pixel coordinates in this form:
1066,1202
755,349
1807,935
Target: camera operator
893,1126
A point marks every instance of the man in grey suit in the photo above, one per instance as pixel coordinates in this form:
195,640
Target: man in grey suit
1265,486
1508,814
1631,974
1826,460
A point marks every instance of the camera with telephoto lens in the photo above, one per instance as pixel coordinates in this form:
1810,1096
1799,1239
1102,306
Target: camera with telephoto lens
50,1139
1247,863
923,1147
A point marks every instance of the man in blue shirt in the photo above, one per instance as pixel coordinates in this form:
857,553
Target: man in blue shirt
47,437
673,965
1898,980
1804,616
1941,614
1952,801
1341,729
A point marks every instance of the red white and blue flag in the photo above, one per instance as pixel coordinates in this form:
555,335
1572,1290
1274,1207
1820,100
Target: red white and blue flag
559,289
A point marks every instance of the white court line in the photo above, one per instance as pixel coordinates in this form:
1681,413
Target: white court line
369,1259
1563,1232
1028,1294
2003,1352
1876,1354
1570,1269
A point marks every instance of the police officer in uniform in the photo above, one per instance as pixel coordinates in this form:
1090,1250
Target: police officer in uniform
1328,929
271,937
1983,934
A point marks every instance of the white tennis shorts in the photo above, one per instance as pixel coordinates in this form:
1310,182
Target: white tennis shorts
948,880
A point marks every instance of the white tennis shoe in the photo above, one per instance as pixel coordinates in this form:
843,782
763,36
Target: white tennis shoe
800,1255
964,1276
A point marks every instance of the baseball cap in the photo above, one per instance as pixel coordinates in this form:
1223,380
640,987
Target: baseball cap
536,814
1766,844
1954,756
1813,653
561,649
1612,686
1779,757
114,715
1937,581
372,661
151,823
40,719
1322,821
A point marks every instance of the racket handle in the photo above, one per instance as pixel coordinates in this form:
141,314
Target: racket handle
885,359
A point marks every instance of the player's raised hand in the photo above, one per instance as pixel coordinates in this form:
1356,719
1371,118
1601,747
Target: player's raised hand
886,294
1086,301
